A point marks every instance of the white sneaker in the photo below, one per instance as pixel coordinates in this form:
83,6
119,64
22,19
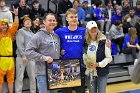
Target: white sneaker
136,62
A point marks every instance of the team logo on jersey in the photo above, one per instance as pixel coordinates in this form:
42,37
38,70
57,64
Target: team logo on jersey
92,48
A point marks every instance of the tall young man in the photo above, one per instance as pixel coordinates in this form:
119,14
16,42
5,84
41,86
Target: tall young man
72,42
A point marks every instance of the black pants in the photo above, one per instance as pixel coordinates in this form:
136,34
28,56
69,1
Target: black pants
80,89
118,41
131,50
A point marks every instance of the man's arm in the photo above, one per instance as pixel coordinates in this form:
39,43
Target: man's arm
16,19
15,24
32,48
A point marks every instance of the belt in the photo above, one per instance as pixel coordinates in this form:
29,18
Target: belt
6,56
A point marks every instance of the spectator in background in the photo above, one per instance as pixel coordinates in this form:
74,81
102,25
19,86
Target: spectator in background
6,51
23,36
41,25
63,6
115,4
133,17
109,11
125,7
137,26
107,1
126,24
99,16
131,3
119,2
116,34
137,9
103,3
16,3
80,11
35,24
24,11
130,45
37,10
88,11
93,4
118,15
5,12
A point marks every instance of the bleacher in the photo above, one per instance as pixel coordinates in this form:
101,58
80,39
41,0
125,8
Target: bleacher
121,68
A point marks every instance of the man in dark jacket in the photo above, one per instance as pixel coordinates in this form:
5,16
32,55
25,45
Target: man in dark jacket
37,10
63,6
23,11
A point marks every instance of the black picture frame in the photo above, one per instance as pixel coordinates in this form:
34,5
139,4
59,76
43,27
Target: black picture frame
63,73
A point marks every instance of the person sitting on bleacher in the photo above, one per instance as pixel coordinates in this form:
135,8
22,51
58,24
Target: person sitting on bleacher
126,24
125,7
99,16
137,26
37,10
108,13
130,45
118,15
116,33
133,16
88,10
80,12
63,6
137,9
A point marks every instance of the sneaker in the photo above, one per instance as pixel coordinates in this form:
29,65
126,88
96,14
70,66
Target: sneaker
136,62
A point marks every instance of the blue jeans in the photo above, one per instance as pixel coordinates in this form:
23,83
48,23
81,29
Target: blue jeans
42,85
98,84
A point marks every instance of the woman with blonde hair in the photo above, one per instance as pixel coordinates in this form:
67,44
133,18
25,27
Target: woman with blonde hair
97,56
130,45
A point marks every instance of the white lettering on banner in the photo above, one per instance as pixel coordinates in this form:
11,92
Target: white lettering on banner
73,36
72,40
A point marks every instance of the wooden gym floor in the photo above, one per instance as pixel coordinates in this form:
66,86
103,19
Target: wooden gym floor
120,87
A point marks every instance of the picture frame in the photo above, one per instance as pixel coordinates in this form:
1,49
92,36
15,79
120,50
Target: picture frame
63,73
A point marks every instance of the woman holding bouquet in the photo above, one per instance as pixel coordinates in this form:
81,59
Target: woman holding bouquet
97,56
